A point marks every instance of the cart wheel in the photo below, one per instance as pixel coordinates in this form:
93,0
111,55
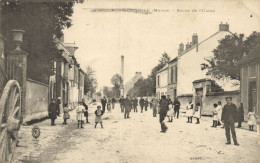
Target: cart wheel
10,108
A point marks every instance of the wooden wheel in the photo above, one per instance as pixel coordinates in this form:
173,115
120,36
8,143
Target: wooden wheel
10,119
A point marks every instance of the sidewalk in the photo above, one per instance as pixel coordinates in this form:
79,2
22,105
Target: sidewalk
29,149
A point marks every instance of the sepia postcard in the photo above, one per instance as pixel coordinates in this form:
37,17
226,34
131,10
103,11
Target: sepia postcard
129,81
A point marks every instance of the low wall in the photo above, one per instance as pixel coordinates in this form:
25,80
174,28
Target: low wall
36,100
184,100
210,99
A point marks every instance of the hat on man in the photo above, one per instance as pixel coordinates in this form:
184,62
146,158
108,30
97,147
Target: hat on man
228,98
98,106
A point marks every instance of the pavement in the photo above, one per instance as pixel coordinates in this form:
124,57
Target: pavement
134,140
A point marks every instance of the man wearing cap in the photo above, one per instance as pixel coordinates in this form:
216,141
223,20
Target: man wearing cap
127,106
104,102
229,117
121,101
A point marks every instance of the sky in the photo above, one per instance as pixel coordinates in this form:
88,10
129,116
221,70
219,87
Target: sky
102,37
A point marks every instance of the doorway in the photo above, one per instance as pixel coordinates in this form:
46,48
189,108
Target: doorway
252,101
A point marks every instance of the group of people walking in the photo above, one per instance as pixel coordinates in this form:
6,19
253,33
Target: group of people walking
228,114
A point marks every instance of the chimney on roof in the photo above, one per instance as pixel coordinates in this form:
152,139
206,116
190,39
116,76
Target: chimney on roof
181,48
224,27
194,39
188,45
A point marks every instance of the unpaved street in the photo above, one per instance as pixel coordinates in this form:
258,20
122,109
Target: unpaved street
139,139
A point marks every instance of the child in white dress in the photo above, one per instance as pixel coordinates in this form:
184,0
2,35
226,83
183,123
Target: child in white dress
170,112
251,119
215,115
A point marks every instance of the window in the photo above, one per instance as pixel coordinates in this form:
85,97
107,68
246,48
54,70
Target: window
175,72
172,74
158,80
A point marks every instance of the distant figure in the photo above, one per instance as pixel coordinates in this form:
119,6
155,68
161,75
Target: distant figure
135,104
169,99
53,111
170,112
109,103
59,105
219,110
154,103
141,103
98,118
197,113
80,114
113,102
240,115
251,119
177,105
189,111
146,102
66,114
163,112
128,106
85,111
229,117
104,102
121,101
215,115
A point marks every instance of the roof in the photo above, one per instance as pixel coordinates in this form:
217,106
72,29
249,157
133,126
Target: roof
174,60
162,69
196,45
252,57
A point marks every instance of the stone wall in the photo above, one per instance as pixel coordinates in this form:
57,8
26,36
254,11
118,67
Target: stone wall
36,100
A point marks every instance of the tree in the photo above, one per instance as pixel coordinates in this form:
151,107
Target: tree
162,62
41,22
117,81
224,63
90,81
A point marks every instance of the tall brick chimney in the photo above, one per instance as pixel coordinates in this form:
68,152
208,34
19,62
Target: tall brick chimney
122,75
224,27
122,67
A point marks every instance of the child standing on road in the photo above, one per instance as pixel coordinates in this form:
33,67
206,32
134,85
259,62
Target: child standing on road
251,119
99,114
215,115
197,113
80,113
66,114
189,111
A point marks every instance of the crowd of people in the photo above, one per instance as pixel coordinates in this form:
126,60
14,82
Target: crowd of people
228,114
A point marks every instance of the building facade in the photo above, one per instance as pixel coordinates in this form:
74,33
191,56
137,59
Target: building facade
172,78
162,82
250,80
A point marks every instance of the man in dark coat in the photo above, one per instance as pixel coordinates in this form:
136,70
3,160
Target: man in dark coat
177,105
141,103
146,102
128,106
164,107
113,102
121,101
240,114
135,103
53,111
229,117
104,102
86,111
